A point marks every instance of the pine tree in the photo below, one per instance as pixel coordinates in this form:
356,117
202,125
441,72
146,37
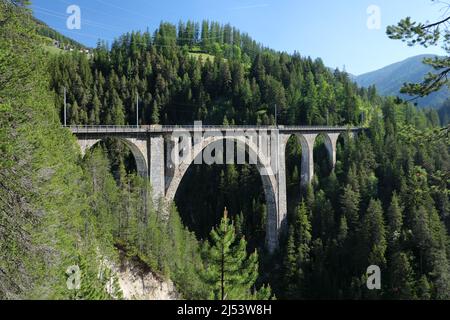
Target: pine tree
240,225
94,117
395,222
440,274
75,114
302,243
343,231
374,234
205,35
401,277
310,109
117,109
350,208
400,271
323,216
230,272
425,34
155,113
309,197
290,272
423,288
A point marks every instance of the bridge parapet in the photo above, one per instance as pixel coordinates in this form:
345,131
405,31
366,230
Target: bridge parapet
169,128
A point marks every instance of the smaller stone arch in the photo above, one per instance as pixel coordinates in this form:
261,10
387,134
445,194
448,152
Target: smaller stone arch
307,141
307,167
330,140
137,147
86,144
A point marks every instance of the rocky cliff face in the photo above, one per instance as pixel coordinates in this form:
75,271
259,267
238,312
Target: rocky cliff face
138,282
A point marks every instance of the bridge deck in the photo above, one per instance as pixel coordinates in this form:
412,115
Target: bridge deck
168,129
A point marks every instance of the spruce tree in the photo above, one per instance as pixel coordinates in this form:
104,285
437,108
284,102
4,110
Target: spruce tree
373,234
75,114
94,116
401,277
290,271
117,109
423,288
230,272
303,244
155,113
350,208
395,222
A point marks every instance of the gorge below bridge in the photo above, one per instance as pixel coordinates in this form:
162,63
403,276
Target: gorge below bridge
163,154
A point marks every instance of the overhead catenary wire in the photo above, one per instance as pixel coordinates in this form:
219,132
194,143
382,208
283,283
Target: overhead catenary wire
84,34
107,27
123,9
64,17
121,18
118,38
89,23
114,17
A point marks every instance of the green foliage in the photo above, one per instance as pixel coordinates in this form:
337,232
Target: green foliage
230,273
297,258
45,220
57,210
178,82
373,234
56,213
97,283
425,34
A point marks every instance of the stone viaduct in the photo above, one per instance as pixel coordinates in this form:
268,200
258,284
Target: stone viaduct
154,147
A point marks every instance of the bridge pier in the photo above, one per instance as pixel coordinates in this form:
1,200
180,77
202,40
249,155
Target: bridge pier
307,168
157,166
281,179
330,143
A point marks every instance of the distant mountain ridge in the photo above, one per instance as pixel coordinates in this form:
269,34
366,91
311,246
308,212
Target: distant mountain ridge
390,79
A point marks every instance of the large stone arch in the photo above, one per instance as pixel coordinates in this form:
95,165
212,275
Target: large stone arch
268,178
137,147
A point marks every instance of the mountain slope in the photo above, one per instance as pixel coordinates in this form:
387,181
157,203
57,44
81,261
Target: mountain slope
444,112
390,79
50,34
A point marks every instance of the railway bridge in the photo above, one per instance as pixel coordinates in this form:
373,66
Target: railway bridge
163,154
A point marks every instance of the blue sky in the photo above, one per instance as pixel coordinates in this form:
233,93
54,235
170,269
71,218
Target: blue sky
335,31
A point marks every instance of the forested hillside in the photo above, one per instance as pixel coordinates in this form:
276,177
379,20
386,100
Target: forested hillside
214,74
444,113
45,31
59,211
386,202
